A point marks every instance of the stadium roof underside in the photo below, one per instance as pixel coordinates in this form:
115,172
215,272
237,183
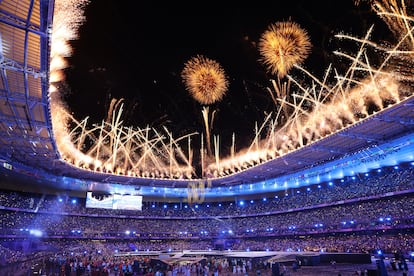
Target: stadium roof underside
26,134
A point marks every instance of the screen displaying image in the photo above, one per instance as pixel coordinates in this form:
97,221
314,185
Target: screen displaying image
127,202
99,201
115,201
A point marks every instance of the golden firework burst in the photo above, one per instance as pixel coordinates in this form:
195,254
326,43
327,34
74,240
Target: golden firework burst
204,79
283,45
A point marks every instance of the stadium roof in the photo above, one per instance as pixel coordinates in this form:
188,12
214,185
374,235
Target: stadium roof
26,134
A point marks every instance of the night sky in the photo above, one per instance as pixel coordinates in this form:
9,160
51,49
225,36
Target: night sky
137,51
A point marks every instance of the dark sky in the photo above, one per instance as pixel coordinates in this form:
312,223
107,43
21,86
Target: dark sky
137,50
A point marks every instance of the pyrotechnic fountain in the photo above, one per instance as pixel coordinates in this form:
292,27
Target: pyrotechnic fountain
304,112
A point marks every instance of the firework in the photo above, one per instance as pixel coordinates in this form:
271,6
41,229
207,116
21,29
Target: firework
283,45
332,103
204,79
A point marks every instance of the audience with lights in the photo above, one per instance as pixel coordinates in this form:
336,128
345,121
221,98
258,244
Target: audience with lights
341,216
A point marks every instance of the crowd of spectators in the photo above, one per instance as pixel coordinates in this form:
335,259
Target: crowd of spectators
339,217
365,213
375,183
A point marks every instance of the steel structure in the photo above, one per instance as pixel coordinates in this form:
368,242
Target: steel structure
26,134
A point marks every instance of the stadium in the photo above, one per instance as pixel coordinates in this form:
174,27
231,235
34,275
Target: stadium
325,185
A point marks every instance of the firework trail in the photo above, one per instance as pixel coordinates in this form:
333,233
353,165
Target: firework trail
312,109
